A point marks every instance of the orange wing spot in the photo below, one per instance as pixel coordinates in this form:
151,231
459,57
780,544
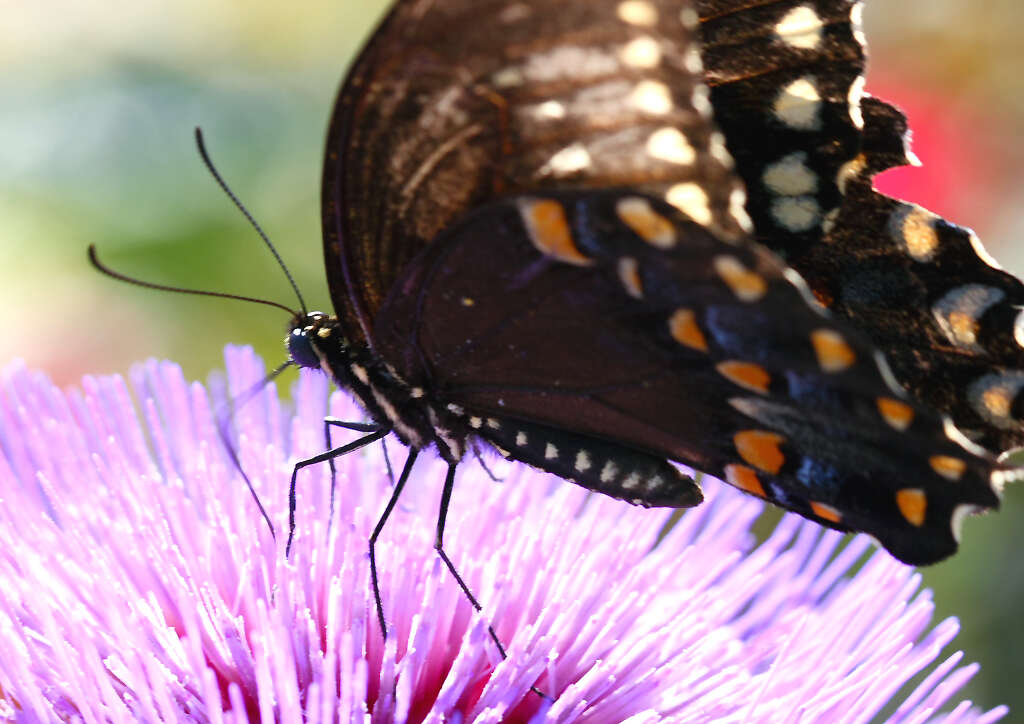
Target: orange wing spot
913,503
636,213
826,512
834,354
760,448
997,401
744,478
898,414
919,234
965,327
745,374
948,467
747,285
549,230
683,327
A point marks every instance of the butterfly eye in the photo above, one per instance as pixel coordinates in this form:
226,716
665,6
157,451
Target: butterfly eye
300,348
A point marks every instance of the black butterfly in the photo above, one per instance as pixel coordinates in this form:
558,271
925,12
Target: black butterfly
602,235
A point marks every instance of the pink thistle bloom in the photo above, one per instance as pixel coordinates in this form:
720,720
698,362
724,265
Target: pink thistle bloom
139,583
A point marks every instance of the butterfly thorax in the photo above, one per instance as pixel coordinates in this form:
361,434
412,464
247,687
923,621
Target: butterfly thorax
318,340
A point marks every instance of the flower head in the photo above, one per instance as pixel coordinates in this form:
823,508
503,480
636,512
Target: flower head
141,584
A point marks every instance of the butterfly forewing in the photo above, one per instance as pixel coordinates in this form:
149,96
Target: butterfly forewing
455,103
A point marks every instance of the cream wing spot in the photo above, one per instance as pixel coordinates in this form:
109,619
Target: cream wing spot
550,452
913,228
801,28
854,99
643,52
669,144
796,213
798,105
582,463
638,12
521,439
568,161
651,97
789,176
609,472
692,200
550,110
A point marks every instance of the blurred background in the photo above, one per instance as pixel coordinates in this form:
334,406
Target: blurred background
97,105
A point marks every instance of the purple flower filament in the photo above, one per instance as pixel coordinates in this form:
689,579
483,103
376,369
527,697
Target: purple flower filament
141,584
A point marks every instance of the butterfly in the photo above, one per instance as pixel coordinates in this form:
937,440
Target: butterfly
607,236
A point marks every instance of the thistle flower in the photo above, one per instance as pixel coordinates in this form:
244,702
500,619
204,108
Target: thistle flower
139,583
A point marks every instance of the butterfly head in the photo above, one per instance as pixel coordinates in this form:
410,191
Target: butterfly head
307,331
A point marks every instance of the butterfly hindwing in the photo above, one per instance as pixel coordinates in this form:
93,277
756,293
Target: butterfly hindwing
617,318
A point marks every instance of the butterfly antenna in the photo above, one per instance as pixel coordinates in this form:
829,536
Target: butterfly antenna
104,269
245,212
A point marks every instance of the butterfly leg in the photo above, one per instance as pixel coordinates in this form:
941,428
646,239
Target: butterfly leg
322,457
406,469
330,422
442,515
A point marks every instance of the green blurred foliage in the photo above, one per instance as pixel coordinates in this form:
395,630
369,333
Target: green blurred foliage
99,102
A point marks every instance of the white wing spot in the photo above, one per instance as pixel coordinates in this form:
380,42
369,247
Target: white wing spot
801,28
549,110
642,52
796,213
582,463
913,228
653,97
799,105
857,23
609,471
738,209
719,151
982,252
638,12
550,452
692,200
790,176
854,99
521,439
568,161
631,482
669,144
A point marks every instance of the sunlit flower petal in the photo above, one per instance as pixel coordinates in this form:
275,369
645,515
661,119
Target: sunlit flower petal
139,583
